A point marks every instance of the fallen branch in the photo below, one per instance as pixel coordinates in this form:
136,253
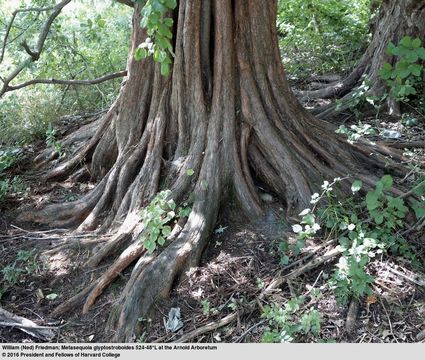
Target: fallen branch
11,320
279,280
213,325
274,284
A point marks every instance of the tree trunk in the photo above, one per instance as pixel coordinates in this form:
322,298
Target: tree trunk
395,20
226,111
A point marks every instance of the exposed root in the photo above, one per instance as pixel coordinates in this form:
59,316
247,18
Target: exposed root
219,125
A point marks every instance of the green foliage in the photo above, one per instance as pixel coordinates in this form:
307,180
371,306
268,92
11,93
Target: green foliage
290,322
404,78
318,36
51,140
24,264
8,158
86,41
206,307
356,132
156,219
159,29
364,227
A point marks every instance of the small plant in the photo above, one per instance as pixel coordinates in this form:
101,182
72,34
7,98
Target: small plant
288,323
13,185
51,140
156,218
405,76
8,158
356,132
206,307
361,96
159,29
364,228
142,338
24,264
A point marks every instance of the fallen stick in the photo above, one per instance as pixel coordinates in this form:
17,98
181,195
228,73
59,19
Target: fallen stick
208,327
279,280
11,320
272,286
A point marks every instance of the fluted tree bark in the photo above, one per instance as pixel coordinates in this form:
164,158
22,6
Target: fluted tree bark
227,113
395,20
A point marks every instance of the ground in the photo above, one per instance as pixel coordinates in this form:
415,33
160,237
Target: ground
240,260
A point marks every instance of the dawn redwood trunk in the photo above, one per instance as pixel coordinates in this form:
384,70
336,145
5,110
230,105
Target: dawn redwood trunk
395,19
226,111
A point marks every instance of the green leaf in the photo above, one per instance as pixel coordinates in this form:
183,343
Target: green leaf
406,41
372,201
356,186
387,181
160,241
421,53
390,48
165,69
166,231
416,43
190,172
415,69
419,209
308,219
402,69
140,54
168,22
379,218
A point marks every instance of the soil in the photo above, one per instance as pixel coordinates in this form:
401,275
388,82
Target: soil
239,261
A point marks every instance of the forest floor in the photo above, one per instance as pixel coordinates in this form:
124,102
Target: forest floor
214,299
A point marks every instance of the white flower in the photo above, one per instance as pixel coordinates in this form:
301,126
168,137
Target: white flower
297,228
316,227
351,227
304,212
325,184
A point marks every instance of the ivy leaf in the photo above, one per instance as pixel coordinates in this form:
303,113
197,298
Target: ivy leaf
140,54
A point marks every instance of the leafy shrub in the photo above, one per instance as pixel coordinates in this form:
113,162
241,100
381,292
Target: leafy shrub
156,218
290,322
159,28
9,157
364,228
318,36
24,264
404,78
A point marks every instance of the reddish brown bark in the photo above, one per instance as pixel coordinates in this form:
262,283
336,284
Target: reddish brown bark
395,20
226,111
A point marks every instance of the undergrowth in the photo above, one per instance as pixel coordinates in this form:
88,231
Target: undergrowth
364,227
